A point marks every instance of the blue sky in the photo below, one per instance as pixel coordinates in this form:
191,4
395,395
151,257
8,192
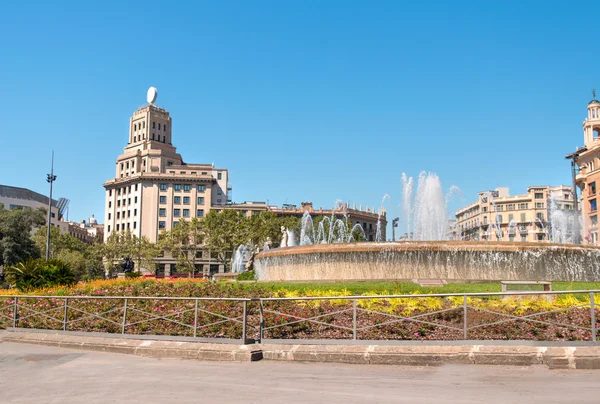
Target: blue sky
301,100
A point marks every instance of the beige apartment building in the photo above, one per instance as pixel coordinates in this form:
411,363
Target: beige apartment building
587,160
498,216
367,218
154,188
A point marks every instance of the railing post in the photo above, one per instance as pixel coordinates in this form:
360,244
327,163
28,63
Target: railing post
244,322
261,325
196,319
465,329
124,317
16,312
354,319
66,314
593,316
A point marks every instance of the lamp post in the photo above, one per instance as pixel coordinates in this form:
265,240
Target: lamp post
394,225
50,178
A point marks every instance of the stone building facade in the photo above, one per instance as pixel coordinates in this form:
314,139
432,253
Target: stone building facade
498,216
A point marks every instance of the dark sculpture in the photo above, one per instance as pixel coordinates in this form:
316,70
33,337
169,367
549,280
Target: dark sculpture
127,265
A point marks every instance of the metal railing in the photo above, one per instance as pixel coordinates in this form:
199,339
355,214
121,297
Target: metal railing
454,316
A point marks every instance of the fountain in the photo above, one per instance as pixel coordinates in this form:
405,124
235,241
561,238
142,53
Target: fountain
240,258
326,253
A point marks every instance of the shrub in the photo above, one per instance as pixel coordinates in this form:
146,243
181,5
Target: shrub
37,273
246,276
132,275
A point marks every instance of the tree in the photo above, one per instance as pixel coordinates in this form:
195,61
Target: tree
37,273
268,225
16,243
224,232
182,243
66,248
125,244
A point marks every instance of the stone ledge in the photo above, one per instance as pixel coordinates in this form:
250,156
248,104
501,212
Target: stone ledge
563,357
148,348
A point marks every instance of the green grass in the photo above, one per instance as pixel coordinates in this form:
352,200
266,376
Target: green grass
359,288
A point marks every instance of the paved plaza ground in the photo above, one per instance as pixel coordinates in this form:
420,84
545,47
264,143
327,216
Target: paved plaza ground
40,374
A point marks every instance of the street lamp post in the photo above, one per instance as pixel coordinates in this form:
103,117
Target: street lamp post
50,178
394,225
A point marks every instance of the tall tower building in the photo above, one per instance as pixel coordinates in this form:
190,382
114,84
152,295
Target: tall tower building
587,159
154,188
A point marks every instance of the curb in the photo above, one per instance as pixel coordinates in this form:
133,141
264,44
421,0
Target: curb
147,348
567,357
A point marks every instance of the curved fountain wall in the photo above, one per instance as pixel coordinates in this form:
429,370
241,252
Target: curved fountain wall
449,260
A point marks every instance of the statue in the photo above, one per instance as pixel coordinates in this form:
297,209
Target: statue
250,263
284,237
127,265
267,245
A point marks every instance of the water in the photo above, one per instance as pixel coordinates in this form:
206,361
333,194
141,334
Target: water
240,258
378,233
565,225
426,215
330,230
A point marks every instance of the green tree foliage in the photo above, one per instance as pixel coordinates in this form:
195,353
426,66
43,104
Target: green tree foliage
125,244
224,232
38,273
66,248
15,235
182,242
268,225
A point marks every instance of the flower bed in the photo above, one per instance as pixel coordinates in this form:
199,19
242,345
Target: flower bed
568,317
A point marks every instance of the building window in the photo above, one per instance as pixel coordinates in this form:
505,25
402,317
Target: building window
161,225
127,165
485,220
499,218
540,216
163,139
109,228
219,192
118,191
522,206
135,138
592,188
177,187
128,201
110,192
485,208
510,218
186,200
187,187
118,203
135,212
109,204
175,223
176,212
127,226
201,188
539,195
200,212
109,216
218,201
121,166
523,238
593,206
159,126
163,199
186,213
523,217
219,176
163,187
510,206
594,220
118,215
165,127
539,205
200,200
117,227
153,125
177,199
135,199
162,212
134,224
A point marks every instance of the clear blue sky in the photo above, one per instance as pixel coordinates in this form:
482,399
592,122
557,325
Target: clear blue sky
302,101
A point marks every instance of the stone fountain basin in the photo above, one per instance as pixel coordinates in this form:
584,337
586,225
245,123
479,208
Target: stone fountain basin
447,260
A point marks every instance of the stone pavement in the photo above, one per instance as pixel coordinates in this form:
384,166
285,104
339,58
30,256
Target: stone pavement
42,374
